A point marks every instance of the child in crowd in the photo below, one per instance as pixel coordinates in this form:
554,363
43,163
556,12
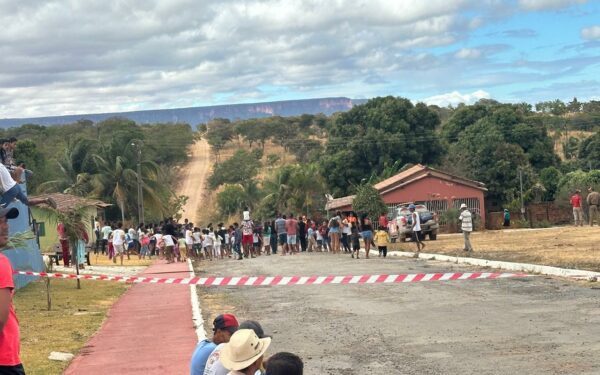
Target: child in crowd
217,244
381,239
182,249
354,236
256,237
266,235
145,242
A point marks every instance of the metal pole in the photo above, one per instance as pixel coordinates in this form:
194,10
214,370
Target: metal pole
521,183
139,183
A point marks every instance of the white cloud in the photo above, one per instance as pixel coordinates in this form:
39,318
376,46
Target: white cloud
468,53
548,4
591,33
454,98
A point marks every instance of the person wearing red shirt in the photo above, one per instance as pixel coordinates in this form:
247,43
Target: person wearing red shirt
383,221
577,210
10,363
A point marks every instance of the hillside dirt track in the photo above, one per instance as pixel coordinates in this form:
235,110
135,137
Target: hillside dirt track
534,325
193,179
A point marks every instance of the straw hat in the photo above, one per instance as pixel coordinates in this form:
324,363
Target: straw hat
243,349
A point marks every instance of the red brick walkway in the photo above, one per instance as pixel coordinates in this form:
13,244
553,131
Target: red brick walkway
148,331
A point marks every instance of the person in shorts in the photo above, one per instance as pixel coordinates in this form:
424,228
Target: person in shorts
416,227
247,236
118,242
281,233
291,227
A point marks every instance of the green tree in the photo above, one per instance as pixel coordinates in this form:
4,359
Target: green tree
365,139
369,201
589,152
241,168
549,178
231,199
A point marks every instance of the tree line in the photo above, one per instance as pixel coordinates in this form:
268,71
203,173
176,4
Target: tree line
499,144
99,160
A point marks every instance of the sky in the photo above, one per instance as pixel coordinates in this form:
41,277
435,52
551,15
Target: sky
95,56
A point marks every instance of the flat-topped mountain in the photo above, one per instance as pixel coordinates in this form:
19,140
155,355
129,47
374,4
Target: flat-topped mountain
197,115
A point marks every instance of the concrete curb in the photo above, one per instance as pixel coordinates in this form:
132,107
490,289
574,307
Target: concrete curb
511,266
196,311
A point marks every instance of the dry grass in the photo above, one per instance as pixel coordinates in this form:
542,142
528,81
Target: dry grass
75,316
102,260
558,143
567,247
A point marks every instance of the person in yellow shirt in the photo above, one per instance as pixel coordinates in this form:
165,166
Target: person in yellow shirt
382,238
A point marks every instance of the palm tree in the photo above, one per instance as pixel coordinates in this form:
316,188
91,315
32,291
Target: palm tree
76,166
116,177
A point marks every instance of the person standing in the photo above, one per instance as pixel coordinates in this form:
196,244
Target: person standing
64,243
506,218
334,232
302,233
106,231
10,362
281,233
266,235
593,199
291,228
382,238
577,210
416,227
466,225
118,242
366,228
346,232
247,235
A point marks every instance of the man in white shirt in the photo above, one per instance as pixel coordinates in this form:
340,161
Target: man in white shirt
466,225
416,227
105,233
119,242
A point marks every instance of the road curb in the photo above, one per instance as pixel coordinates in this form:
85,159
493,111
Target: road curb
510,266
196,310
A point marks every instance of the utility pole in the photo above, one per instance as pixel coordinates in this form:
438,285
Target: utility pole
138,145
521,183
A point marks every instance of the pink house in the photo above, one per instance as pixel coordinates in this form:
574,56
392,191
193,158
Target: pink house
436,189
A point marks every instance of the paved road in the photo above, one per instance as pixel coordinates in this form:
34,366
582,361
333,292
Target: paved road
531,326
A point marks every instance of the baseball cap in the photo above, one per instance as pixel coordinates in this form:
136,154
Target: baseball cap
225,321
411,206
255,326
9,213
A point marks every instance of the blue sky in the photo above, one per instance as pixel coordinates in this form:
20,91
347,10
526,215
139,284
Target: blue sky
68,56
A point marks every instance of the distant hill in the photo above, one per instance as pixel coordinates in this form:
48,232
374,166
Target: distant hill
196,115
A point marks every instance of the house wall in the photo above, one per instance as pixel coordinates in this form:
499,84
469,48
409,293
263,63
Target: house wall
431,188
50,239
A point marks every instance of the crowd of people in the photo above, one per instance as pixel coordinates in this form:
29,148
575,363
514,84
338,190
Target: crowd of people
285,235
239,349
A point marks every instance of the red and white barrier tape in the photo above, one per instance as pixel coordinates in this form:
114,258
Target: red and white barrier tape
287,280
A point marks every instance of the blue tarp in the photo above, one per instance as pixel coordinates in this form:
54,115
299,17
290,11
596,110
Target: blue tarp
24,259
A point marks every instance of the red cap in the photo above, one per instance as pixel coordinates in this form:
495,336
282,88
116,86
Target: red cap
225,321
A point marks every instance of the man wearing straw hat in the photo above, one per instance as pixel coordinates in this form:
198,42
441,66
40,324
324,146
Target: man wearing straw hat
243,354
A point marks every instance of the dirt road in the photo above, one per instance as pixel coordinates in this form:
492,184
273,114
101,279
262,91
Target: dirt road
194,176
531,325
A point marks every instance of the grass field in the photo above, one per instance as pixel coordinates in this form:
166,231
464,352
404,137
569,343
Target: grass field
75,316
567,247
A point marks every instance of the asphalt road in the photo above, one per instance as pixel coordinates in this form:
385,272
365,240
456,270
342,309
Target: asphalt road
533,325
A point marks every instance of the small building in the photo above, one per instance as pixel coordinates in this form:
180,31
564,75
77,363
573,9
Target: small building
46,220
419,184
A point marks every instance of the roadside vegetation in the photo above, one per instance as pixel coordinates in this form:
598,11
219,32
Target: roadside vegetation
554,149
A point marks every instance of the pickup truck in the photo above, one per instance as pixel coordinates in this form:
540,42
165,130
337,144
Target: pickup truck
403,223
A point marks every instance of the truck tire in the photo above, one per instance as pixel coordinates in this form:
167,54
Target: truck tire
432,236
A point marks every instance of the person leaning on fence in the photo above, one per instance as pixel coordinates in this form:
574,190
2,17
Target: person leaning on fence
593,199
466,220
